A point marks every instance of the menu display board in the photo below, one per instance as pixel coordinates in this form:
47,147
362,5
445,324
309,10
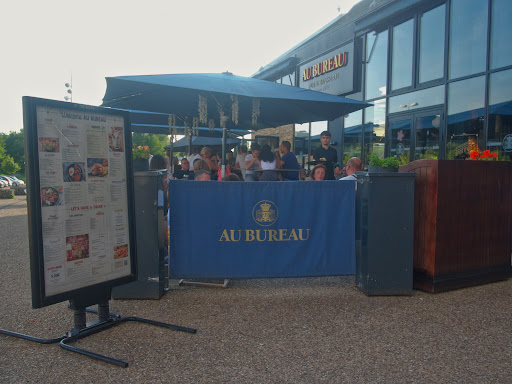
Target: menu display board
78,163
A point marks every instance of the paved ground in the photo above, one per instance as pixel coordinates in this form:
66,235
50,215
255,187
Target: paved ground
318,330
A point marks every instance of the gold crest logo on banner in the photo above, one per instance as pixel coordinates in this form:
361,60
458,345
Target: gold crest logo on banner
265,213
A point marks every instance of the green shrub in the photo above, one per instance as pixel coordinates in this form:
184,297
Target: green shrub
6,193
375,160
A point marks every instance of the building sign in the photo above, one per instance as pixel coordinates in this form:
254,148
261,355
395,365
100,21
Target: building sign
332,73
267,231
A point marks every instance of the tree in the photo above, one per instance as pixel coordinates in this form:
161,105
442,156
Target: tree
156,143
8,166
15,147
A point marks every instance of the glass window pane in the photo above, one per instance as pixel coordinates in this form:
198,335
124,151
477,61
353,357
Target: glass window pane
432,39
301,144
415,100
427,137
401,139
468,37
375,128
501,30
401,66
352,139
466,101
500,114
376,64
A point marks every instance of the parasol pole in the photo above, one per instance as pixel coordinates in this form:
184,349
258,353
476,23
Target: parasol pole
223,166
172,125
189,146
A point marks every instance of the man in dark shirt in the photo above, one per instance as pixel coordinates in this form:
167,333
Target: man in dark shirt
326,154
287,161
184,172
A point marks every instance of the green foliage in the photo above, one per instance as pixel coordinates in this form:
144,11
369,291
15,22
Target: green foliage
12,152
6,193
156,143
352,151
8,166
375,160
15,147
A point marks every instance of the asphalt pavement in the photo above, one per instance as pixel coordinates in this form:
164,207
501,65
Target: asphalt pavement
304,330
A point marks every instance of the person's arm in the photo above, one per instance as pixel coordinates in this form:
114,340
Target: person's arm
249,164
212,164
279,162
316,156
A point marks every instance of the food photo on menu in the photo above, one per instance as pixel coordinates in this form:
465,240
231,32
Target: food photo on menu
77,247
97,167
73,171
120,251
115,139
51,196
49,144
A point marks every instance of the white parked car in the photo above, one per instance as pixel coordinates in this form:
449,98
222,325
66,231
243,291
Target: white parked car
3,183
16,181
6,179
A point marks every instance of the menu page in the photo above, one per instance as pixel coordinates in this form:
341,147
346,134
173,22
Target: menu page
84,204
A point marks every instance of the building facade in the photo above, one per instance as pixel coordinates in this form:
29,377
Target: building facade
438,73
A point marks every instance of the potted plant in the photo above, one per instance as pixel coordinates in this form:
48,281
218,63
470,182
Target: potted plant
387,164
140,158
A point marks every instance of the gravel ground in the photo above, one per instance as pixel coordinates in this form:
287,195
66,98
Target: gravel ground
316,330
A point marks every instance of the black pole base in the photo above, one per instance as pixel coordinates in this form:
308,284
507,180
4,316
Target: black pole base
82,329
64,343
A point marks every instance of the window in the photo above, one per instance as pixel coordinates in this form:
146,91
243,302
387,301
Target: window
432,37
468,37
501,30
376,64
415,100
352,139
402,55
500,114
466,102
375,128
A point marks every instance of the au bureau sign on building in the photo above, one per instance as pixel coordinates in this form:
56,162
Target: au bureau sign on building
331,73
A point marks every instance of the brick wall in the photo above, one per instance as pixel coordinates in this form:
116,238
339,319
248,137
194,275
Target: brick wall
284,132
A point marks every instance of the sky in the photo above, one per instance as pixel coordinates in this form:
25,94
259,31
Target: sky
45,44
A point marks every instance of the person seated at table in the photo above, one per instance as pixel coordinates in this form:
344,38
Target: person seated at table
231,177
338,171
202,175
268,164
184,172
318,172
206,155
157,162
353,165
230,161
252,163
287,161
202,165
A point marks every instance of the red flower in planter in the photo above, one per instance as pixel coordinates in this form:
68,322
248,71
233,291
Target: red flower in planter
474,155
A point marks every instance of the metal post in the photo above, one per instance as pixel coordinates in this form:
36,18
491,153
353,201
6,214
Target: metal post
223,171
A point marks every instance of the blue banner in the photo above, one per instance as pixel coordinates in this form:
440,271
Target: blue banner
261,229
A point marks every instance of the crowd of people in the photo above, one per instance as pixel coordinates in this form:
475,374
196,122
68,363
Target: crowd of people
260,164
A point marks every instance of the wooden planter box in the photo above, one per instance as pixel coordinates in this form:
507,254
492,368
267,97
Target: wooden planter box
462,223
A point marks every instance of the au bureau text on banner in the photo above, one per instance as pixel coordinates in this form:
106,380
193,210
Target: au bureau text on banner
261,229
